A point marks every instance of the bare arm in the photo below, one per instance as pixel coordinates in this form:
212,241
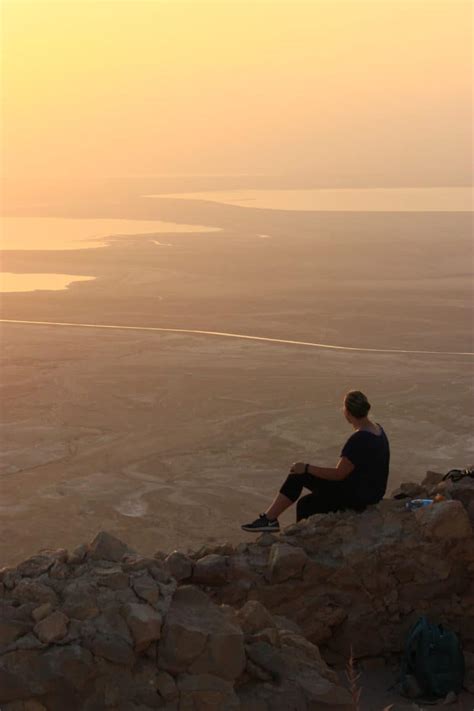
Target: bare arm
341,471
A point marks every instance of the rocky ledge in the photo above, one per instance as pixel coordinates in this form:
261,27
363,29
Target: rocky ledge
254,627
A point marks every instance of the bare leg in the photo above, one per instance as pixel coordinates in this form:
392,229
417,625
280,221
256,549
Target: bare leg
280,503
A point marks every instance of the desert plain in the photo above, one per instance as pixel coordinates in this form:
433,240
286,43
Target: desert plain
173,439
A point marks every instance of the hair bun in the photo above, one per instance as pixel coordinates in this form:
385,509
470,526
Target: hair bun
357,404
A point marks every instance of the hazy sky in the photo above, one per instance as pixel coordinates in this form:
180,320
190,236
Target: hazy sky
374,92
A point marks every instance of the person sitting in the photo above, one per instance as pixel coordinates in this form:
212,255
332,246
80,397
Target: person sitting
358,480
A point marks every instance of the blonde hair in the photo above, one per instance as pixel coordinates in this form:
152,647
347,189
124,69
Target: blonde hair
356,403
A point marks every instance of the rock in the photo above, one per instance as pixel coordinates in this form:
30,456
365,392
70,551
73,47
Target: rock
207,693
111,647
33,591
28,705
52,628
432,479
285,562
210,570
179,565
80,607
10,630
144,623
113,578
166,686
36,565
409,490
39,613
146,588
105,546
253,616
447,520
197,637
78,555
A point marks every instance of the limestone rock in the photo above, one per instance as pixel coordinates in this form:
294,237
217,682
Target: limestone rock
431,479
207,693
10,630
111,647
199,638
145,624
253,616
447,520
409,490
146,588
52,628
210,570
28,590
39,613
285,562
179,565
105,546
111,577
166,686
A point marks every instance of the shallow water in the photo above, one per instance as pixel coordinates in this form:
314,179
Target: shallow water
57,233
53,233
442,199
32,282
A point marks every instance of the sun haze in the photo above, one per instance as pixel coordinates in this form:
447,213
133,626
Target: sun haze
364,93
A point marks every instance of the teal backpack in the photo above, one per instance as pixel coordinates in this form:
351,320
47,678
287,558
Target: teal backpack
433,656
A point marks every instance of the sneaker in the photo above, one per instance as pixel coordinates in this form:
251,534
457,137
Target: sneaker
261,524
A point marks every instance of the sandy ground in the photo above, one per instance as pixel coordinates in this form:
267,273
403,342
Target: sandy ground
174,440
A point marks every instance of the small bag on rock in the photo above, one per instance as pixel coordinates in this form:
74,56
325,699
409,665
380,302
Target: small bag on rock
434,658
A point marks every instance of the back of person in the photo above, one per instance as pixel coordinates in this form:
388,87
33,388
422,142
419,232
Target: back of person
370,454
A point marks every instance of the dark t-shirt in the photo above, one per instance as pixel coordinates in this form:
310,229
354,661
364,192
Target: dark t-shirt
370,455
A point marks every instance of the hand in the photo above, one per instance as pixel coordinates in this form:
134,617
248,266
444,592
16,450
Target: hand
298,468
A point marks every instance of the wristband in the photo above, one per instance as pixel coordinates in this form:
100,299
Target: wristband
306,468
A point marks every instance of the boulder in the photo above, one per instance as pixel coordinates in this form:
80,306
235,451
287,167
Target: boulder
111,577
27,590
105,546
166,686
207,693
144,623
285,562
446,520
52,628
39,613
146,588
253,616
11,630
409,490
197,637
179,565
210,570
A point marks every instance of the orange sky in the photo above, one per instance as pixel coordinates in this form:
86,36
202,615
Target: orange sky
377,92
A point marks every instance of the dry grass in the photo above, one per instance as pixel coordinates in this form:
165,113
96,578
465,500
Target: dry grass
353,677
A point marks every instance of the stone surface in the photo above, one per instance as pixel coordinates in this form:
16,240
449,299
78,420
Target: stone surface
197,636
444,520
116,630
179,565
253,616
39,613
145,625
105,546
285,562
52,628
210,570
